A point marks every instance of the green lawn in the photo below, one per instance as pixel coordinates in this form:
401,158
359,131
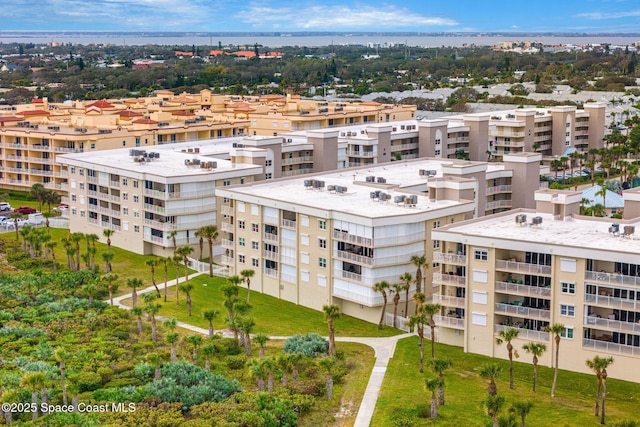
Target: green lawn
273,316
403,389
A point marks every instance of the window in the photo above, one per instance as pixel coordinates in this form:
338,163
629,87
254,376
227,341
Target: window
73,197
125,181
241,259
125,211
322,262
567,333
481,254
479,319
436,264
567,143
136,214
255,210
322,224
436,244
436,224
480,297
268,176
241,241
255,262
136,199
254,227
82,214
136,228
73,170
567,310
304,239
322,281
73,211
125,196
226,183
268,163
81,171
81,185
254,245
480,276
322,243
241,224
135,184
438,153
568,288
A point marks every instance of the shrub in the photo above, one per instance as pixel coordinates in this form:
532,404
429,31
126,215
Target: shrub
143,371
311,345
423,410
236,362
308,388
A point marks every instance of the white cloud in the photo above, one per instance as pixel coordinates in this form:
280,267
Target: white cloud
338,17
609,15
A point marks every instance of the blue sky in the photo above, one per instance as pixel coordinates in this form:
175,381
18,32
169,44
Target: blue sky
322,15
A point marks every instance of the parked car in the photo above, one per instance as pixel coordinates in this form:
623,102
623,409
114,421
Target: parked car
4,206
10,224
62,209
25,210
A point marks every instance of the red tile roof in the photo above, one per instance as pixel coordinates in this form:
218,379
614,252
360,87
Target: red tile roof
33,113
183,113
37,101
100,104
127,113
145,122
4,119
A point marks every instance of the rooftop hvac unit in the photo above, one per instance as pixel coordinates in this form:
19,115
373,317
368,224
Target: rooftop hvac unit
370,179
331,188
536,220
196,161
521,219
197,149
411,200
214,165
187,162
240,145
398,199
308,183
381,180
614,229
204,165
629,230
373,195
132,152
234,145
432,172
319,184
189,150
422,172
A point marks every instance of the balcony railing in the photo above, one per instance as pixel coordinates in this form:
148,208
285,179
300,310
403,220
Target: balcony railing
165,226
41,160
612,302
528,334
225,226
521,267
295,160
367,154
449,301
272,255
351,238
353,257
523,290
499,189
154,208
271,272
227,260
612,278
351,276
226,210
612,324
449,322
449,258
226,243
63,149
287,223
517,310
448,279
41,172
297,172
270,237
286,259
610,347
497,204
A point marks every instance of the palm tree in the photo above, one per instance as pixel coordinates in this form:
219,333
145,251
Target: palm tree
564,160
521,409
332,312
209,350
555,166
195,340
109,279
152,263
209,315
246,325
261,339
172,235
397,288
60,356
257,371
33,381
37,193
596,365
382,288
210,233
51,247
406,280
152,309
46,216
184,252
438,366
134,283
172,338
602,192
556,329
329,364
268,366
15,217
186,288
246,277
430,310
507,336
165,268
417,322
177,261
604,364
92,238
433,384
491,371
420,261
283,361
536,349
107,257
107,232
598,210
494,404
419,298
138,312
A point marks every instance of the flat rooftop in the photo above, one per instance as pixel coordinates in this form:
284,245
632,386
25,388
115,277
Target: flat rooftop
357,197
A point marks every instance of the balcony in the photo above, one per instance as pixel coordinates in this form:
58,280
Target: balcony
449,321
365,154
498,204
449,258
92,179
297,172
190,194
270,237
227,244
19,158
41,147
286,259
611,278
272,255
528,334
351,238
157,194
522,290
612,324
610,347
113,227
518,310
288,223
521,267
41,172
351,276
612,302
348,256
165,226
225,226
226,210
114,184
271,272
64,149
449,301
402,147
499,189
297,160
227,260
63,172
154,208
108,211
41,160
449,279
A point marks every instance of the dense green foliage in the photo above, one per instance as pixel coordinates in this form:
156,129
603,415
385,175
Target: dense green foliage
310,345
